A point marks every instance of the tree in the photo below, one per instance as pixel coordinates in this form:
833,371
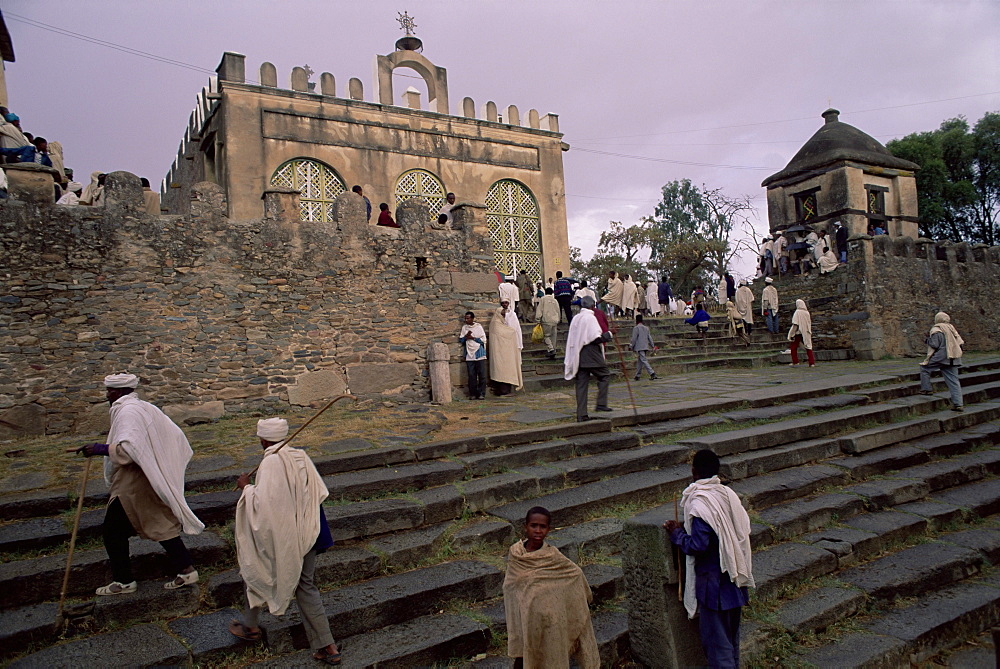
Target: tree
958,184
691,232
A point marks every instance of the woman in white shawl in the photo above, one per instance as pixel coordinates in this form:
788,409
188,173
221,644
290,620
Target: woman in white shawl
736,325
630,295
93,194
944,354
801,333
505,349
652,298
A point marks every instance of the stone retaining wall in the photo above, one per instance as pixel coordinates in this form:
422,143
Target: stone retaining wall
254,314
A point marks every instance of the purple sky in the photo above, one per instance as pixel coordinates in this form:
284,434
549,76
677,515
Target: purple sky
735,87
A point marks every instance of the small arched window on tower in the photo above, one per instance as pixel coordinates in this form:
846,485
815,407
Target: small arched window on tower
318,185
515,228
421,183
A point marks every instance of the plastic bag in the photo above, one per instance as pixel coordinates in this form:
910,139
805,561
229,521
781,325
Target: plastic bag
538,334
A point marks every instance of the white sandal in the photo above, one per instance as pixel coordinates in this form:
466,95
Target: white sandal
186,579
123,588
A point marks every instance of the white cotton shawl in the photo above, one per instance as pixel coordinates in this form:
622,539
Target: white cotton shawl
744,302
630,294
720,507
505,348
616,292
802,324
277,522
583,329
11,137
92,192
159,447
769,299
652,298
953,340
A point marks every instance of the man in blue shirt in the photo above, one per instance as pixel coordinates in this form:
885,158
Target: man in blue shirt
563,290
716,539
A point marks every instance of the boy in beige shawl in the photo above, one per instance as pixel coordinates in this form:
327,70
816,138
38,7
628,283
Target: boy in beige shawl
944,354
546,599
280,528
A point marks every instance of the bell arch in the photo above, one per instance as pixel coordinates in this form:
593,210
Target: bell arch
515,228
318,185
435,77
424,184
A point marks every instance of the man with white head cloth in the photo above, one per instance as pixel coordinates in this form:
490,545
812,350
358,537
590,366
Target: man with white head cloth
280,528
744,304
144,463
585,357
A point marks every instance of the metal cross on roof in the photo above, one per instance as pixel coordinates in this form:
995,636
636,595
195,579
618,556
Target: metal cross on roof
406,23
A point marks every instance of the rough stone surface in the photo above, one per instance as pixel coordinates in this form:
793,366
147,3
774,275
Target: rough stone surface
365,519
890,492
869,440
604,581
847,543
986,541
981,498
603,534
147,604
768,489
142,645
23,420
753,463
880,461
441,503
937,514
890,526
786,564
601,443
371,378
585,469
33,533
195,414
858,650
481,464
798,517
489,532
406,549
208,635
372,482
817,609
946,473
20,627
324,384
485,493
913,571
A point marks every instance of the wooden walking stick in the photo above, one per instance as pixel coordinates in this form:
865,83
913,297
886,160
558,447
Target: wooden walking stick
72,543
680,559
305,425
621,359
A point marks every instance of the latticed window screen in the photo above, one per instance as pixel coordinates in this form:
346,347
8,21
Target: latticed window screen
421,183
512,216
317,184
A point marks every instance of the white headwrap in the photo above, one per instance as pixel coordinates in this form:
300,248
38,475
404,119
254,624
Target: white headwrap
121,381
74,186
272,429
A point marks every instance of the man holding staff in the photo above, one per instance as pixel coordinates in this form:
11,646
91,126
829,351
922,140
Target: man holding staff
144,463
280,528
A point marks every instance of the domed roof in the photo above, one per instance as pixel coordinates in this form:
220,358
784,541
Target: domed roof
838,141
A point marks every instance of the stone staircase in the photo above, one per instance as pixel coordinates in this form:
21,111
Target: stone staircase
874,514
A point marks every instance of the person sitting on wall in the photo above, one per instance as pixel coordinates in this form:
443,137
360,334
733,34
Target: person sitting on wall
72,195
368,203
151,199
446,211
385,218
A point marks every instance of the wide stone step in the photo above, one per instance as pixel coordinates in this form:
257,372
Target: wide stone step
768,489
389,600
913,633
138,646
374,482
787,564
914,571
754,463
981,499
40,579
794,518
572,505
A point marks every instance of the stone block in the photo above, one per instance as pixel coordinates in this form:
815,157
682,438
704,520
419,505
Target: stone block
945,473
603,534
817,609
880,461
497,533
602,443
31,182
32,533
604,580
657,430
340,565
226,588
482,494
26,625
660,633
481,464
937,514
753,463
352,461
474,282
797,517
324,384
195,414
787,564
441,503
890,526
859,650
426,641
768,489
616,463
372,482
986,541
611,632
371,378
208,635
141,645
982,498
149,603
937,620
847,543
23,420
406,549
869,440
367,519
914,571
890,492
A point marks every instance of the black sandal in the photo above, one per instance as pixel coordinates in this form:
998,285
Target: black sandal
327,658
241,631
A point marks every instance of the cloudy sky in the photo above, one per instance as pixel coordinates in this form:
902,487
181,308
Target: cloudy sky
719,92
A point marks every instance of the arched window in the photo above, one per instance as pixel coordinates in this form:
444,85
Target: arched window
318,185
421,183
512,216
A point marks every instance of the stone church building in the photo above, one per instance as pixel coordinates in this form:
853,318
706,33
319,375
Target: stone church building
843,174
250,137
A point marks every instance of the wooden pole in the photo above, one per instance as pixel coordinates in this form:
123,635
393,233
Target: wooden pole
621,359
72,542
681,559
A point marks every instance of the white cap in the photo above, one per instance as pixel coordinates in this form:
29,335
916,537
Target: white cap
121,381
272,429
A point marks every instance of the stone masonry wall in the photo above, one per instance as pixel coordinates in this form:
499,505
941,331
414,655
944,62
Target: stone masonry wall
250,314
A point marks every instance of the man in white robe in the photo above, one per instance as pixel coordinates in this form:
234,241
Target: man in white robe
744,304
72,195
505,349
615,297
630,295
585,358
280,528
144,463
508,291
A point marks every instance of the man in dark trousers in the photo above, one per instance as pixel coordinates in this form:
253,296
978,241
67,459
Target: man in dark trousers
841,236
585,357
563,290
715,537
